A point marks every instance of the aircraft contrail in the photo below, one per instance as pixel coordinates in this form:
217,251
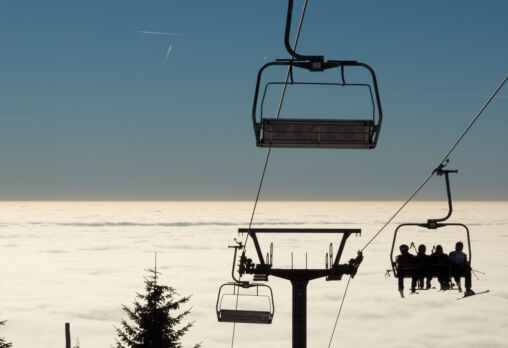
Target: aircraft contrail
161,33
167,54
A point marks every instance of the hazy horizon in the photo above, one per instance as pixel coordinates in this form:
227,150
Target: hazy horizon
247,201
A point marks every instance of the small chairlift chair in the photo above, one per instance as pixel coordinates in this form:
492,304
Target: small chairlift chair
235,312
431,224
244,302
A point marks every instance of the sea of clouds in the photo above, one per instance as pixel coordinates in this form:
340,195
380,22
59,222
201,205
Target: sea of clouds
78,262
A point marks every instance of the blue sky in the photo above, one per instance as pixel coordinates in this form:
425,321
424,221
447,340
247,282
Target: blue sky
90,110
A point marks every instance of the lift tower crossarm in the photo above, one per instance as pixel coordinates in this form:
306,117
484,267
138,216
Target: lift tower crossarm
345,231
299,230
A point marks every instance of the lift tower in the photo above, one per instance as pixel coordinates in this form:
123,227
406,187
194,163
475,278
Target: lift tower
300,278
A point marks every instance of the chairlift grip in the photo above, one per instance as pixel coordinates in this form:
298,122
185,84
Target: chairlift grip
236,247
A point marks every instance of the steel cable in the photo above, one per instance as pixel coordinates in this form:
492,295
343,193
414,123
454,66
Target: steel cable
288,73
340,310
442,161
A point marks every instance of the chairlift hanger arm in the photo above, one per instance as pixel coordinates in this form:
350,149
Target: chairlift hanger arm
287,34
449,195
439,172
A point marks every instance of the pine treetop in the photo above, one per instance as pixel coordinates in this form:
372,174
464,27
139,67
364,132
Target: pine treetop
152,322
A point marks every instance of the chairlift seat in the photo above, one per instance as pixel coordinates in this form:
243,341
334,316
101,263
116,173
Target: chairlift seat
243,316
317,133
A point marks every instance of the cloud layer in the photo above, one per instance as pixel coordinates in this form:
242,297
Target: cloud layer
78,262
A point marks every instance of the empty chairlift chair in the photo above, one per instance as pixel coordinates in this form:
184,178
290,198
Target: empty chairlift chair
255,305
318,132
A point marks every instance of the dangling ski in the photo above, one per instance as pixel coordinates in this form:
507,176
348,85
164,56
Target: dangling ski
476,293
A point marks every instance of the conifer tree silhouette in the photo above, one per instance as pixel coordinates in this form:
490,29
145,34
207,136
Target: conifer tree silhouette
3,343
154,322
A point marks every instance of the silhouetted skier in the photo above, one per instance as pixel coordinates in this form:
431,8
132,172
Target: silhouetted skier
461,268
405,268
441,266
423,267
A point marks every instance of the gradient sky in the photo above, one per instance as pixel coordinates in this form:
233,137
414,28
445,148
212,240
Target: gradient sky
90,110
